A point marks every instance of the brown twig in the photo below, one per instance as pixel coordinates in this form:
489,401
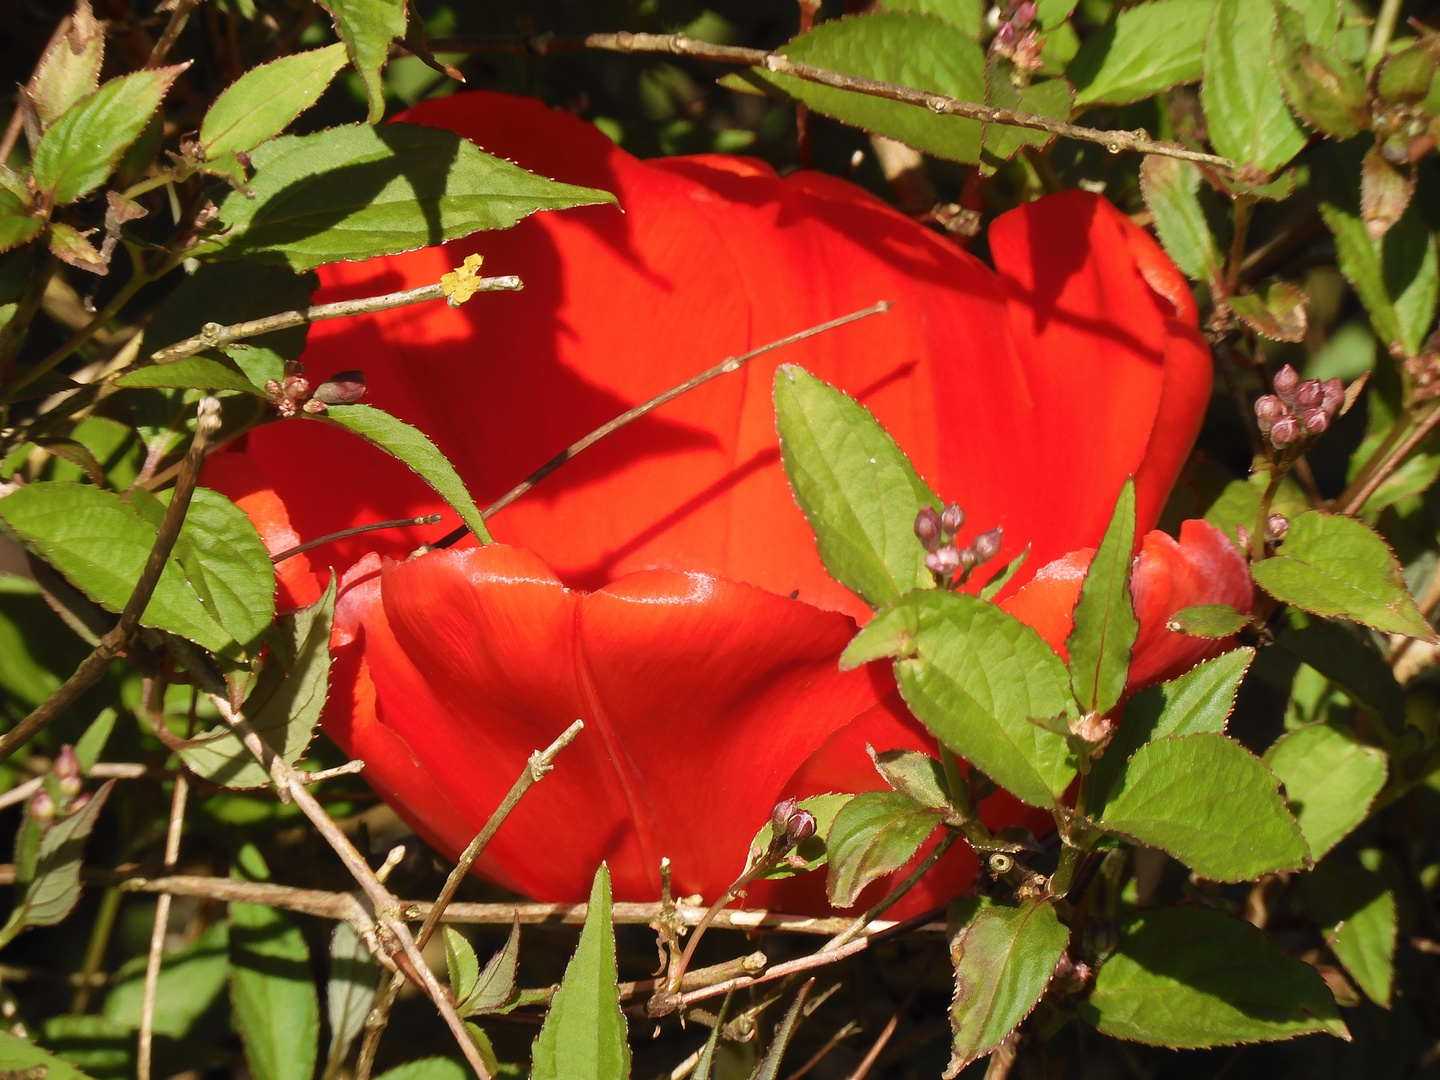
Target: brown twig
539,764
399,523
1352,502
724,367
895,894
158,930
94,665
101,771
179,16
215,336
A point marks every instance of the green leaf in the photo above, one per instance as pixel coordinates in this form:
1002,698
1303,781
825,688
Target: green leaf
262,102
1334,565
1144,50
69,70
1276,310
975,676
1201,700
276,1008
51,891
1047,97
192,979
191,373
1359,261
897,47
769,1069
1357,915
80,151
1172,192
23,1060
90,745
1105,623
100,1046
1352,664
813,851
284,706
583,1037
18,224
409,444
875,834
493,990
1326,93
227,564
1244,107
1208,621
1210,803
1330,779
1005,959
461,964
1412,277
354,192
431,1068
964,15
367,27
100,544
917,775
1192,977
855,486
1002,577
354,973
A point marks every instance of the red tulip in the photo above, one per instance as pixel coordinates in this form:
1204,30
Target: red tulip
707,688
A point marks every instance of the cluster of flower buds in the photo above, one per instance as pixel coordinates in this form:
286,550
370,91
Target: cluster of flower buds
937,531
65,796
1014,38
1299,409
1276,526
292,394
791,827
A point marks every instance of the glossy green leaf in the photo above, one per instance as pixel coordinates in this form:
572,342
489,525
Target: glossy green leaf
1209,621
100,544
410,445
284,706
354,192
49,892
1245,110
1005,959
276,1008
367,27
1335,565
1191,977
21,1058
261,103
81,149
917,775
1144,50
1357,914
1201,700
583,1037
975,676
1210,803
856,487
1105,624
875,834
493,989
1350,662
914,50
1325,92
1172,193
1330,779
461,965
964,15
354,974
192,373
813,850
192,979
1360,263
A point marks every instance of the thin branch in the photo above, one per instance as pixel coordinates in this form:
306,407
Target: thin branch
179,16
540,763
157,932
895,894
1138,141
724,367
876,1048
779,971
101,771
399,523
215,336
1353,502
94,665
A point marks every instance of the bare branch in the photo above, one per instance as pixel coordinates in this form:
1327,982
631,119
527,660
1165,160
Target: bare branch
157,932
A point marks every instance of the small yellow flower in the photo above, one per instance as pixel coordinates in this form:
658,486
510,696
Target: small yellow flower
463,282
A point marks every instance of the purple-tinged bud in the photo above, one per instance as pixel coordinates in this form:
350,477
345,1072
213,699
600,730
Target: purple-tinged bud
1276,526
1268,409
242,157
1004,37
1284,432
1315,421
945,561
987,545
801,827
67,772
968,561
1332,396
780,817
42,806
1308,395
345,388
952,520
928,528
314,406
1025,13
296,387
273,390
1286,379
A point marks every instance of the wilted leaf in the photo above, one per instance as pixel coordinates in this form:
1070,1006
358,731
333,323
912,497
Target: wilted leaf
1276,311
1385,192
493,989
1326,93
69,70
917,775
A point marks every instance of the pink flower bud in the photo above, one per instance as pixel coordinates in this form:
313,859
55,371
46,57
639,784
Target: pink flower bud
1286,380
987,545
42,806
1004,37
1308,395
928,526
1268,409
1332,396
344,388
801,827
1284,432
1315,421
781,815
67,765
1024,14
1276,526
296,387
945,561
952,520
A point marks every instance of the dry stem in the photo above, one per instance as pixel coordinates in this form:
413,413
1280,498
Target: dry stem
157,932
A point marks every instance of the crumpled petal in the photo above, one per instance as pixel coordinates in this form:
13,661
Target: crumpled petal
1202,567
